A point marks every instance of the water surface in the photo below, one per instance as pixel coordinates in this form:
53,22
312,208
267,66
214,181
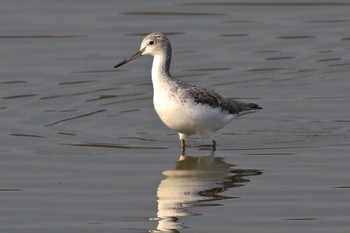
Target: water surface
82,149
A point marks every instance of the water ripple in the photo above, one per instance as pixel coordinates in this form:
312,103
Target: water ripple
154,13
19,96
39,36
76,117
110,145
268,4
27,135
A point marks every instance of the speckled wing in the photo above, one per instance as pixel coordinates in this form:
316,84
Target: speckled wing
213,99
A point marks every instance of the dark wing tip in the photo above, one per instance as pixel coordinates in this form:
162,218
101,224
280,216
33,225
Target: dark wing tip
254,106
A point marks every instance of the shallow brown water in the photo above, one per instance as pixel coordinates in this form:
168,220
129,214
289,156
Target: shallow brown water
82,149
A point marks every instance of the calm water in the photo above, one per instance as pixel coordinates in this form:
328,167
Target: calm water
82,149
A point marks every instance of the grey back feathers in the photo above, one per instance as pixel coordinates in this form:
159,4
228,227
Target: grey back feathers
214,100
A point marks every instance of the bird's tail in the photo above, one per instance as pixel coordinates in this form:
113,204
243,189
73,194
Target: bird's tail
244,108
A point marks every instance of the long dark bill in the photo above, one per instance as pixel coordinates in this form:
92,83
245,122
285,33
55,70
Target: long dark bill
129,59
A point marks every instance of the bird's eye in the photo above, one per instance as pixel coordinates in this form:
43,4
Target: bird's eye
151,42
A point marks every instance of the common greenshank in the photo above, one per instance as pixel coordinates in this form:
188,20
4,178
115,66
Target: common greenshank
185,108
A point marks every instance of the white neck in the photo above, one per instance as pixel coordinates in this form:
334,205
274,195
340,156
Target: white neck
160,70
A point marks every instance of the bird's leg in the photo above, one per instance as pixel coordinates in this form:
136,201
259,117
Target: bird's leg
183,146
213,146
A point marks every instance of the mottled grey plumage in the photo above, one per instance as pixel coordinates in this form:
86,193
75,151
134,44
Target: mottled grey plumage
214,100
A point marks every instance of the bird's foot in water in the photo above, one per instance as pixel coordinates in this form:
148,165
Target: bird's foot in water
183,146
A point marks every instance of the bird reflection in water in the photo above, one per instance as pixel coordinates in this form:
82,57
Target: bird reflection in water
195,182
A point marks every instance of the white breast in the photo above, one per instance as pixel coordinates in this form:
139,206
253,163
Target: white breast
182,114
188,117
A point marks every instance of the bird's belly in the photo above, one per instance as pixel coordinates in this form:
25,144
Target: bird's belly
188,117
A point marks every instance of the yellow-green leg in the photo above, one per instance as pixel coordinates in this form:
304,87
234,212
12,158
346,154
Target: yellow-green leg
213,146
183,146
